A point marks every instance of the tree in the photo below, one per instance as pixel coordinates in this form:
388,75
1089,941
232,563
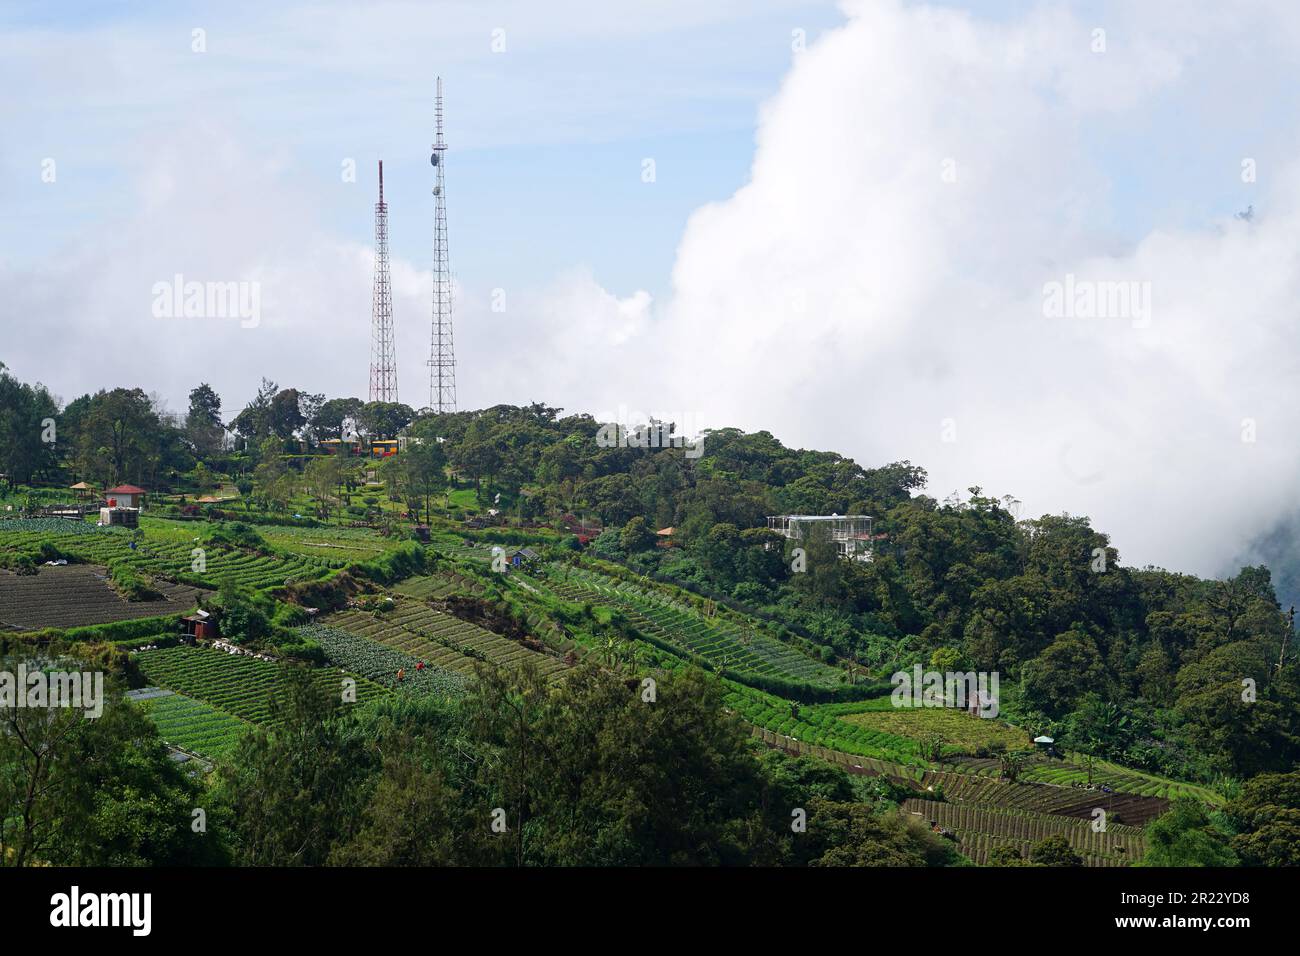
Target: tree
323,477
122,438
309,406
253,424
378,420
1007,854
1054,851
477,458
1185,836
292,795
203,427
331,418
1062,673
241,618
284,416
27,443
1266,815
424,468
637,536
855,834
76,791
414,817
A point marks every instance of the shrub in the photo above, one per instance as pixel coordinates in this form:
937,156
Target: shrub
130,583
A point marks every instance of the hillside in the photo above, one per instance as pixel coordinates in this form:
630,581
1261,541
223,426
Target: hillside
509,563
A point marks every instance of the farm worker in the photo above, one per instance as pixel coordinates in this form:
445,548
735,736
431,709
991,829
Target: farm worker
419,665
401,673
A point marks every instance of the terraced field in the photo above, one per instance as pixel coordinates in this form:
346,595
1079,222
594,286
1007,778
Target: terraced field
1073,770
172,557
330,544
75,595
382,664
819,726
718,641
474,552
193,725
981,829
853,763
432,587
958,728
239,685
44,526
441,639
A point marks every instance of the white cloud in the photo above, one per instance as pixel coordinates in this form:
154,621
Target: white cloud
852,297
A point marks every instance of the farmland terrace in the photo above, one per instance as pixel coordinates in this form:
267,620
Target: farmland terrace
79,594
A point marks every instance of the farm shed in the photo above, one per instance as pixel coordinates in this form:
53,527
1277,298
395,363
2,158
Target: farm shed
523,556
124,517
198,627
82,489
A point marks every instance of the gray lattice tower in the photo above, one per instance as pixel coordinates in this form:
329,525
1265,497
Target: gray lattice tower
383,346
442,355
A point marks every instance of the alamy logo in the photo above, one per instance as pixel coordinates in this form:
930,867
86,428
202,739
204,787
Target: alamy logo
637,430
179,299
38,689
974,691
103,909
1088,299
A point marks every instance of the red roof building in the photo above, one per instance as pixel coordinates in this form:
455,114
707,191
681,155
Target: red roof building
125,496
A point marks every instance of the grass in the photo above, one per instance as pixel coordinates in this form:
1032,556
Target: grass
961,730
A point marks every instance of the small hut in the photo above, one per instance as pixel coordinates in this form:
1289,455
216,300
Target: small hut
523,556
83,490
125,496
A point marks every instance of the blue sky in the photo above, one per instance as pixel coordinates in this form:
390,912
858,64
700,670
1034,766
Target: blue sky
547,137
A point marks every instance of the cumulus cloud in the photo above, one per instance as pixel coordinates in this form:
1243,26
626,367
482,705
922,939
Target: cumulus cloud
878,287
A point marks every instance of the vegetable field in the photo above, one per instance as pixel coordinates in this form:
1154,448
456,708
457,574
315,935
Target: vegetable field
432,587
818,726
193,725
239,685
441,639
164,554
719,641
75,595
980,829
380,663
331,544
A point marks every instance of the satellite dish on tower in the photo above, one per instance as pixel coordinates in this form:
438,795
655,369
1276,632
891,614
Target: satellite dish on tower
433,160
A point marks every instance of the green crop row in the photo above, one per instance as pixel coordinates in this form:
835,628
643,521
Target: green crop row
239,684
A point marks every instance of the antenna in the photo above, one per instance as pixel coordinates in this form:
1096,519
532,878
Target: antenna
383,345
442,352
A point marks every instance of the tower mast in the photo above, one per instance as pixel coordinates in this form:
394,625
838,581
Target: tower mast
442,353
383,346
